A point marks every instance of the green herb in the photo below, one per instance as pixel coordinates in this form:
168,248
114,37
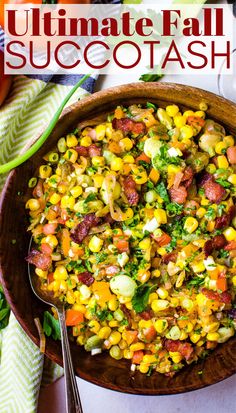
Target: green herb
210,214
151,106
88,266
144,164
223,182
195,282
141,296
4,310
221,209
150,78
100,257
201,191
150,371
140,145
162,160
162,191
174,209
124,322
90,197
51,326
223,253
37,145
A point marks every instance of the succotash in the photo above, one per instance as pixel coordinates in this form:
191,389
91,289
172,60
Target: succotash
134,228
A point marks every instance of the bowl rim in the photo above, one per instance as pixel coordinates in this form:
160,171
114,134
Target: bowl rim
91,101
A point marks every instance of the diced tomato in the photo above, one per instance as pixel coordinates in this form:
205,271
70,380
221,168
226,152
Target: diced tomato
46,248
222,282
121,243
50,228
50,277
163,240
143,157
65,241
195,120
131,336
137,357
149,333
74,317
230,246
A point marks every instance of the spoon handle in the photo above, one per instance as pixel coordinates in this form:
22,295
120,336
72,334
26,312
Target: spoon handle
73,402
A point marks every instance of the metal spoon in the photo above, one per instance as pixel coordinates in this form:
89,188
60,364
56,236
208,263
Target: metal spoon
73,403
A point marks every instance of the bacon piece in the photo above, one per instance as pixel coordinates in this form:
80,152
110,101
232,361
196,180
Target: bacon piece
146,315
225,220
230,246
82,150
224,297
172,256
127,125
178,195
112,270
231,155
203,178
130,191
86,278
38,190
94,150
39,259
188,176
214,191
81,231
217,242
185,349
108,219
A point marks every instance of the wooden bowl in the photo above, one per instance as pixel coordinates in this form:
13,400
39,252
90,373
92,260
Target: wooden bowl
102,369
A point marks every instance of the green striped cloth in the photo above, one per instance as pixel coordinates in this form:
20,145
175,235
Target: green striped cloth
23,368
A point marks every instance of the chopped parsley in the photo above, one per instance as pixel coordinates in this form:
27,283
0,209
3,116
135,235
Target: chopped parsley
141,296
51,326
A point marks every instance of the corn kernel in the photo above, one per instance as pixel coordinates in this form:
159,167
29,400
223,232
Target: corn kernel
67,202
186,132
126,144
183,335
220,146
190,225
197,266
54,199
41,273
179,121
156,273
203,106
94,326
172,110
128,354
143,368
70,297
71,140
161,251
45,171
145,323
222,162
53,181
175,356
145,244
128,159
200,114
234,280
32,204
51,240
230,234
205,202
86,141
76,191
116,164
152,297
79,307
212,327
159,305
71,155
232,179
211,168
161,325
195,337
188,113
187,303
95,244
114,338
113,304
104,333
98,180
213,336
98,161
229,141
189,327
173,169
137,346
149,358
160,215
139,174
60,273
100,131
163,294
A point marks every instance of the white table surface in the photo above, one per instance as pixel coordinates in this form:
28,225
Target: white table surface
219,398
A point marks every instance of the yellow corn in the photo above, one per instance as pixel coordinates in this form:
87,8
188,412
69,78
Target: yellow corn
232,179
222,162
188,113
116,164
71,155
234,280
161,251
183,335
128,159
54,199
143,368
187,303
79,307
152,297
195,337
60,273
113,304
126,144
197,266
70,298
211,168
41,273
149,358
128,354
190,225
203,106
173,169
98,180
32,204
230,234
160,215
95,244
104,333
161,325
100,131
220,146
159,305
67,202
53,181
76,191
200,114
201,212
172,110
114,338
145,323
98,161
139,174
179,121
113,323
71,140
45,171
229,141
86,141
213,336
137,347
175,356
162,292
51,240
94,326
156,273
186,132
145,244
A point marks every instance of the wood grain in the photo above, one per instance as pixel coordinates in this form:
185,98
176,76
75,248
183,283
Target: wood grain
102,369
